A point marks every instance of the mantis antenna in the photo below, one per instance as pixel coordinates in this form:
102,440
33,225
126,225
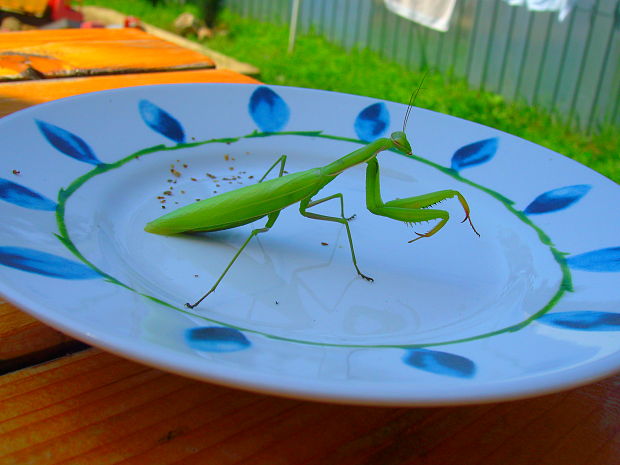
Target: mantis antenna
414,95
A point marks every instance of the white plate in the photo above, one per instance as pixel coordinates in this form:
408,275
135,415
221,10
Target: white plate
529,307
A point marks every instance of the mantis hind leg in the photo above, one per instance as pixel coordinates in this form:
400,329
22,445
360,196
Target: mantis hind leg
305,204
271,219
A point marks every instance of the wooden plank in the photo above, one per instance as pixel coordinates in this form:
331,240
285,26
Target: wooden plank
20,333
96,408
25,341
16,96
85,52
111,17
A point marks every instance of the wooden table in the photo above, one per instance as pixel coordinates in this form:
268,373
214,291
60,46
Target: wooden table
91,407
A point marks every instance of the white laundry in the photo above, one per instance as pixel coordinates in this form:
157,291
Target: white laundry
435,14
562,6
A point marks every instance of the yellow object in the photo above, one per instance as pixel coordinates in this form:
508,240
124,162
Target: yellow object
33,7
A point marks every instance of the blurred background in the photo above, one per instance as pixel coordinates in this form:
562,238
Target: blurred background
544,70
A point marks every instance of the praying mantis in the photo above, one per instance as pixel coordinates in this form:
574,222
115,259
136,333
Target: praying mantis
268,198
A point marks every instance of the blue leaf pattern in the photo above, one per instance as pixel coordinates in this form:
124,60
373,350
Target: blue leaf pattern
602,260
557,199
34,261
372,122
24,197
268,110
68,143
161,121
583,320
441,363
216,339
474,154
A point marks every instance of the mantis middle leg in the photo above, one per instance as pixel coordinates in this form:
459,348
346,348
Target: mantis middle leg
410,209
307,203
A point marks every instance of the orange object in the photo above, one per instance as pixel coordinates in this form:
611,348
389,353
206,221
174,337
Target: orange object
31,7
15,96
80,52
57,9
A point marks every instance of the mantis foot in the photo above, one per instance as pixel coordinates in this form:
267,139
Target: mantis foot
352,217
367,278
194,305
470,223
420,236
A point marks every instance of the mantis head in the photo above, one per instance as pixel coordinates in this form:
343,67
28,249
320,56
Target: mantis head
400,142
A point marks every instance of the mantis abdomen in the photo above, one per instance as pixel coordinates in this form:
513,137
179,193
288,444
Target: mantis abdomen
241,206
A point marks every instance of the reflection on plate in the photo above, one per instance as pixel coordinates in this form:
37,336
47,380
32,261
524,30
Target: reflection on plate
529,307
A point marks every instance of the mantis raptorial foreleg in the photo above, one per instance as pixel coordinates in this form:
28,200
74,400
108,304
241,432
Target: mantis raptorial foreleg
307,203
411,209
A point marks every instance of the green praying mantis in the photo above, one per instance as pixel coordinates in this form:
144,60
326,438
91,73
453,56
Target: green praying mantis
268,198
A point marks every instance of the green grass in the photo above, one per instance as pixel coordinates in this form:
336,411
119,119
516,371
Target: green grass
320,64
